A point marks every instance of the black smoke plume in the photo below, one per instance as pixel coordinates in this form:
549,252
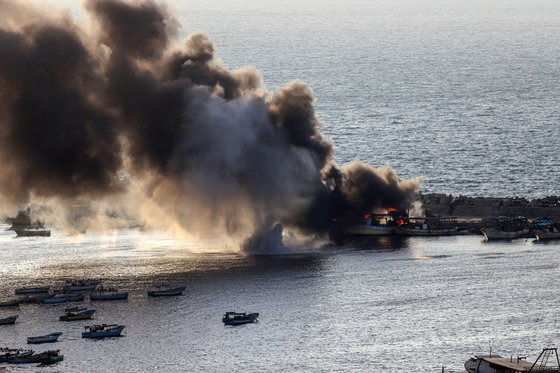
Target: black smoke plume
117,108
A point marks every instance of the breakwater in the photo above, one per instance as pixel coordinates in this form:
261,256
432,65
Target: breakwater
480,207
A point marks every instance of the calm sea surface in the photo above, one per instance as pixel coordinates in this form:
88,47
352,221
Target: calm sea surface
466,94
385,305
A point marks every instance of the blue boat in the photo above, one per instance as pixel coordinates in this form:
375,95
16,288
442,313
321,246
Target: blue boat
236,318
46,358
55,299
76,313
103,331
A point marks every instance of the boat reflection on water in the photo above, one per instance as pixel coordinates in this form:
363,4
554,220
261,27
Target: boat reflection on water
378,243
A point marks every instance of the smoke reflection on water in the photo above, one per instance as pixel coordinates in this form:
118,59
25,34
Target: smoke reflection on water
352,307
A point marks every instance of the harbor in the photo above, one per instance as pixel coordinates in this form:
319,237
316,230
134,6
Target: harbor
427,309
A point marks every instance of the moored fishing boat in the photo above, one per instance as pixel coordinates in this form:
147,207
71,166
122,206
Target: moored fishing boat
7,353
370,225
55,299
81,285
46,358
167,292
49,338
107,294
506,228
32,290
9,320
31,299
239,318
77,313
11,303
546,229
103,331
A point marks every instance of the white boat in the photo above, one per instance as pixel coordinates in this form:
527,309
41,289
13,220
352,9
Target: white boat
506,228
497,234
49,338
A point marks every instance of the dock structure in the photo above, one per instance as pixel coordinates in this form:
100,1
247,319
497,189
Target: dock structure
547,362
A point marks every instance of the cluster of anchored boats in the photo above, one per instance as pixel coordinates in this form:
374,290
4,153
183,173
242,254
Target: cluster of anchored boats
396,222
71,292
76,291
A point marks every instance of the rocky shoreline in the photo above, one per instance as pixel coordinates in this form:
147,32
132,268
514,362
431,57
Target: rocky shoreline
446,205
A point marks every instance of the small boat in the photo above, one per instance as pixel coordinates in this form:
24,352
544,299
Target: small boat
49,338
9,320
506,229
31,299
32,290
81,285
167,292
44,358
546,229
11,303
7,353
76,298
370,224
55,299
103,331
77,313
498,364
32,232
235,318
108,294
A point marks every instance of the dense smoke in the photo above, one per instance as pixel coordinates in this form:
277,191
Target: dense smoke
116,109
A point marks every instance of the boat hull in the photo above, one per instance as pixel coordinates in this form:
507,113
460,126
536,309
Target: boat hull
167,293
240,320
36,290
86,315
88,287
51,338
14,303
104,334
32,233
426,232
54,300
119,296
495,234
8,320
545,235
369,230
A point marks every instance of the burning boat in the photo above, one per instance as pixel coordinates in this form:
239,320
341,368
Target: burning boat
372,224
